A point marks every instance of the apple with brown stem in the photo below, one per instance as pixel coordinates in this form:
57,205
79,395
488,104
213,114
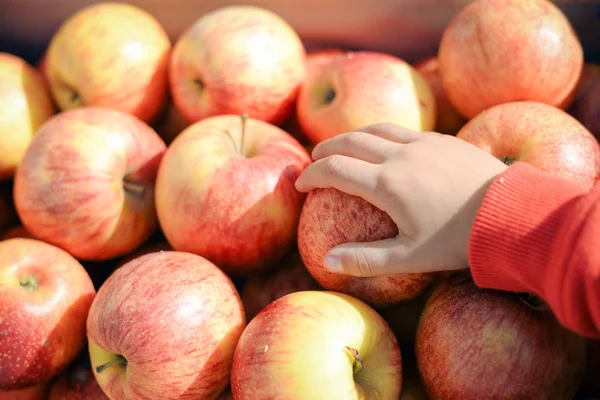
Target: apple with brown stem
111,55
178,319
86,182
541,135
499,51
331,217
230,181
45,297
238,59
317,345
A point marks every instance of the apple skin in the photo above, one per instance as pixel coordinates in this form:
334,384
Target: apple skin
238,59
544,136
179,319
86,182
472,342
360,88
242,202
113,55
500,51
26,105
295,348
289,276
43,327
331,217
39,392
586,106
448,120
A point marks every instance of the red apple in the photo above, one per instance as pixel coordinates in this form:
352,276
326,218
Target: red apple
39,392
26,105
591,384
448,120
239,59
473,343
330,218
230,181
45,295
317,345
541,135
499,51
165,326
77,383
18,231
288,277
112,55
145,249
86,182
361,88
586,106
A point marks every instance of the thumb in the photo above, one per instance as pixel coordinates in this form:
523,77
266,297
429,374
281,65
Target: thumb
365,259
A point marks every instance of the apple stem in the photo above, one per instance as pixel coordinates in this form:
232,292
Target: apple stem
119,360
357,363
508,160
29,283
244,118
134,188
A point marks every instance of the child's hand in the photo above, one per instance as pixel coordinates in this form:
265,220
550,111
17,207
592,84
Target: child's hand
430,184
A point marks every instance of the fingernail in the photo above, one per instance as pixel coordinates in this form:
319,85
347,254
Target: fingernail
333,264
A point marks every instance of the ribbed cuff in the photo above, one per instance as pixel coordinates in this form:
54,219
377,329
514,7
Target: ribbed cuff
520,218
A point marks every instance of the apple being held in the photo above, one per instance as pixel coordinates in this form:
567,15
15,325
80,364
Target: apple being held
472,342
448,120
317,345
26,105
45,296
586,106
229,180
331,217
361,88
238,59
288,277
112,55
499,51
86,182
164,326
544,136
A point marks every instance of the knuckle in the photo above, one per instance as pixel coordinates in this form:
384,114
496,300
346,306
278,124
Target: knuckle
353,138
333,165
383,182
363,265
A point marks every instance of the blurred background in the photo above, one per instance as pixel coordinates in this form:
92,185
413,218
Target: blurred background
407,28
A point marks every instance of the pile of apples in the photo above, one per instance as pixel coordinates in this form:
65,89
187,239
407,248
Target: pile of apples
154,245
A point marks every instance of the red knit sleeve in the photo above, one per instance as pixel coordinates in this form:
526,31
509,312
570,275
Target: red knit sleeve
540,234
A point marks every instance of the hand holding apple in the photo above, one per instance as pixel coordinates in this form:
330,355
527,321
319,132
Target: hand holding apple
112,55
229,180
317,345
25,105
45,296
164,326
238,59
86,182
